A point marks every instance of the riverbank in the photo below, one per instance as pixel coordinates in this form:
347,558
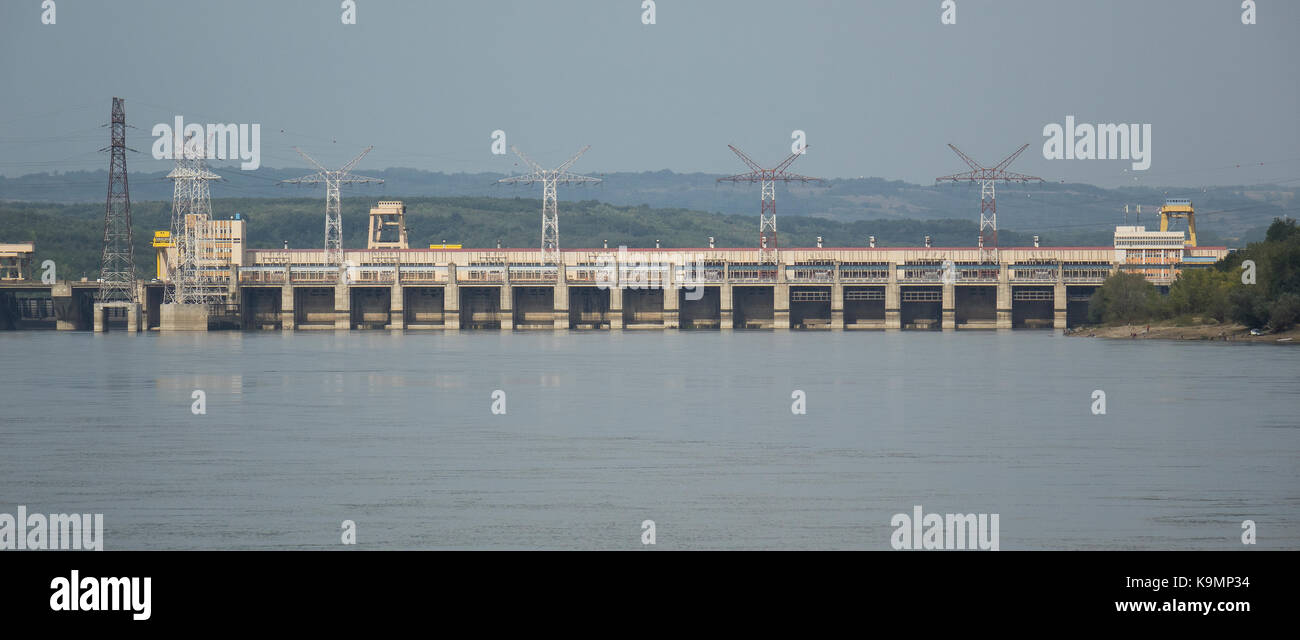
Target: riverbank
1158,331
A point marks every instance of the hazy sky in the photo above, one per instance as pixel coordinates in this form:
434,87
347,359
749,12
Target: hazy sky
878,86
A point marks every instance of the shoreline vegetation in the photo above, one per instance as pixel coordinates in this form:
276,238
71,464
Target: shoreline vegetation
1251,295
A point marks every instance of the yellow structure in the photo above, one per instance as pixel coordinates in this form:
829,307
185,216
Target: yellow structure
16,260
1179,209
444,246
161,241
387,226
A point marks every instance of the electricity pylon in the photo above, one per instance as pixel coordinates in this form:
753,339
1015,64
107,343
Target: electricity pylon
333,215
988,177
117,263
191,210
550,208
768,251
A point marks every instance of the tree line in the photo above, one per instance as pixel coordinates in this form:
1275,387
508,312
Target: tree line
1258,287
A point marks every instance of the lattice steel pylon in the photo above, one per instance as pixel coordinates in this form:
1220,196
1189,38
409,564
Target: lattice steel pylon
768,252
117,263
191,211
550,206
333,213
988,177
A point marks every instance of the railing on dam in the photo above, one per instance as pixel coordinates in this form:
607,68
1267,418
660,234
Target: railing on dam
1085,272
592,273
688,275
974,272
533,273
751,272
926,273
262,275
823,272
949,273
864,272
481,273
642,275
321,274
423,274
374,274
659,273
1020,273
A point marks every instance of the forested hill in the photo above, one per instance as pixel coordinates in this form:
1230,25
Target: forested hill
1234,213
71,234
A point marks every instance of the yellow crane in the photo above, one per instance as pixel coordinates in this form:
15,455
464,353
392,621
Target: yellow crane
1179,209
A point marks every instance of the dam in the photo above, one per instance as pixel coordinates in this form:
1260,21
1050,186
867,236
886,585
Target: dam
887,288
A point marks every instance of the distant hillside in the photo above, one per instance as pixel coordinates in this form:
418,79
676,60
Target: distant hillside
1233,214
70,234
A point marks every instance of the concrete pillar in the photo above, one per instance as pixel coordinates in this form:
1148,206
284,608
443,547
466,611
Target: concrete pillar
97,317
893,300
672,307
183,317
342,306
837,302
1004,298
1059,306
397,305
781,300
506,312
133,318
725,306
616,307
286,307
561,301
451,301
949,307
67,311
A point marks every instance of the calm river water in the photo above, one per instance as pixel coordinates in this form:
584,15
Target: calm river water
693,430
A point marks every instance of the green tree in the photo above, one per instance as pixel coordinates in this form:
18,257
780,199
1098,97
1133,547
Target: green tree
1247,306
1201,292
1124,297
1284,312
1272,300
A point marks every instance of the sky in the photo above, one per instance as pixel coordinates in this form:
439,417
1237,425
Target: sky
879,87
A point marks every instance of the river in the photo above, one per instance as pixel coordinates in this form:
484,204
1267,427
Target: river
602,431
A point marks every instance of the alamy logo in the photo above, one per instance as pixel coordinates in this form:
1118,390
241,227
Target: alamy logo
62,531
75,593
948,272
640,271
923,530
1098,142
225,142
